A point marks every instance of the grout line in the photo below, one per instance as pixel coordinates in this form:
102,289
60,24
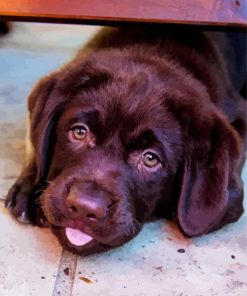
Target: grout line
65,274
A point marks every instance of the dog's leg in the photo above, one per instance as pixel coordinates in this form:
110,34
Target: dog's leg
20,194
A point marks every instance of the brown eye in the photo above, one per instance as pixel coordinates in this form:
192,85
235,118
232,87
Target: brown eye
79,133
150,159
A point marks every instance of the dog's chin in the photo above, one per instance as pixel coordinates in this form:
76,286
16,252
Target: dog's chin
83,244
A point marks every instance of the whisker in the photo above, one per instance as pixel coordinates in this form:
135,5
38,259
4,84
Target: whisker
38,202
44,195
50,182
40,190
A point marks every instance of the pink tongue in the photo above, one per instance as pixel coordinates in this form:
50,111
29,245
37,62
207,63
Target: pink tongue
77,237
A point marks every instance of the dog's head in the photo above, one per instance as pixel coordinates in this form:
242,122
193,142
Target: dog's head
117,138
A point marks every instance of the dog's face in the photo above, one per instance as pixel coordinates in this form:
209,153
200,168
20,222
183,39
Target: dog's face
114,140
110,170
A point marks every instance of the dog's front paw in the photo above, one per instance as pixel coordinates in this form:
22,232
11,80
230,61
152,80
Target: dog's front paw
24,204
17,200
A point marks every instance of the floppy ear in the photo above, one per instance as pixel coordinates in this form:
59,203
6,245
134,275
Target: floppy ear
43,106
210,163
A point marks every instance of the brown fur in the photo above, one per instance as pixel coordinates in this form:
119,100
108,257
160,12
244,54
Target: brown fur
137,91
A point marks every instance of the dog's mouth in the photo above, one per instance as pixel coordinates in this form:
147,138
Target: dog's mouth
83,240
82,243
77,237
78,241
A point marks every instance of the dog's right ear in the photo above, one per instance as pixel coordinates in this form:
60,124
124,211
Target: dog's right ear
43,106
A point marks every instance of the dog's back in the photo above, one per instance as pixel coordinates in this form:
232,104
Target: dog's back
193,50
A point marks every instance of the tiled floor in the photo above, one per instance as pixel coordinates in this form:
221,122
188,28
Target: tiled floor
32,263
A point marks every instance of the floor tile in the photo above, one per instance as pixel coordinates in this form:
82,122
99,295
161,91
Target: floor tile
29,258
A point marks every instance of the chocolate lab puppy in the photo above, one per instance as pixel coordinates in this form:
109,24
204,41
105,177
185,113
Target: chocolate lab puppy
138,124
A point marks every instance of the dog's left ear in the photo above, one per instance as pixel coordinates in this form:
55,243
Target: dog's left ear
210,162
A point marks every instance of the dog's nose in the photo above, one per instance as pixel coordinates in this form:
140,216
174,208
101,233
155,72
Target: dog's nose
88,208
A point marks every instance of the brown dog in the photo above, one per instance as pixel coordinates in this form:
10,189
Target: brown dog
138,124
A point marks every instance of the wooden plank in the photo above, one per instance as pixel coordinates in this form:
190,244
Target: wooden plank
205,12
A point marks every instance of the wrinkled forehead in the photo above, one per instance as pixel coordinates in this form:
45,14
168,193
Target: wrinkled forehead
126,98
111,75
131,100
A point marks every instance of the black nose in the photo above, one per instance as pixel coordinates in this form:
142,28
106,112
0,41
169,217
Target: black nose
86,207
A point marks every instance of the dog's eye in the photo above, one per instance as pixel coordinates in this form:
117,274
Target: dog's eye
150,159
79,133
